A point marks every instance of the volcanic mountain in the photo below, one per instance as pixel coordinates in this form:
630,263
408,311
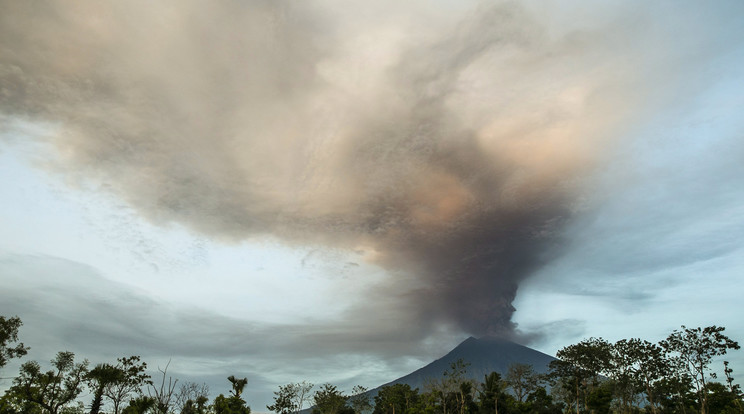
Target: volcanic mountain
485,355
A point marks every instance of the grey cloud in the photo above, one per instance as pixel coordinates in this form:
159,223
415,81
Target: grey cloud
559,330
100,315
69,306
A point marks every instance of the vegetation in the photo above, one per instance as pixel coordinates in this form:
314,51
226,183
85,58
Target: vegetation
630,376
9,346
291,398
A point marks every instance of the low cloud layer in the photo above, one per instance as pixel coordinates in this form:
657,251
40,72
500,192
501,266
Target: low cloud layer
450,147
65,305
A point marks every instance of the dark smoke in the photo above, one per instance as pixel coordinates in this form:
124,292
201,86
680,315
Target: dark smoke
449,148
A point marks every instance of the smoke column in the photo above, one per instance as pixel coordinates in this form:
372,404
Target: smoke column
448,145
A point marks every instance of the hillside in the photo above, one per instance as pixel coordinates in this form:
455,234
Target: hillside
485,355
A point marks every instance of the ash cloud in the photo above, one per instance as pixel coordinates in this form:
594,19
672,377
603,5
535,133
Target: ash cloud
449,147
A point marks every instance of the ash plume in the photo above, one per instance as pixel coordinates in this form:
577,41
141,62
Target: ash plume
449,147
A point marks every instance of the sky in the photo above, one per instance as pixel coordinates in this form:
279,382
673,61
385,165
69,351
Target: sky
343,191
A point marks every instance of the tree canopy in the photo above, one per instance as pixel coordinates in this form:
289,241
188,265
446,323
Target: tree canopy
9,346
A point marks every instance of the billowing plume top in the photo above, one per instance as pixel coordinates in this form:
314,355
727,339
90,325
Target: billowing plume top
448,146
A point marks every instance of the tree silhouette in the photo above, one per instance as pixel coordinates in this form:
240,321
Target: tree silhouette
694,349
233,404
53,389
9,349
237,385
98,378
133,378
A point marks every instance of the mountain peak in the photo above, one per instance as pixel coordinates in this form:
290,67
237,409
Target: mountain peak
484,355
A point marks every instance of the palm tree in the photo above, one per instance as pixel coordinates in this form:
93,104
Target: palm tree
238,385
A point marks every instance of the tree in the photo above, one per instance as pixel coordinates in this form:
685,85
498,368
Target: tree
195,406
75,408
625,387
9,349
539,402
721,400
449,389
581,366
598,401
458,384
396,399
359,400
636,367
672,393
133,378
328,400
303,394
466,397
285,400
291,397
593,356
230,405
568,382
13,403
163,395
234,404
189,396
238,385
55,388
98,378
140,405
492,394
522,379
734,388
694,349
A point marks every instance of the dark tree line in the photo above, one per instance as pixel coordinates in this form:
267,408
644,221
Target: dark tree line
676,375
629,376
633,375
123,386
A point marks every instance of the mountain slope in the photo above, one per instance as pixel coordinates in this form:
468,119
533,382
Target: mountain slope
485,355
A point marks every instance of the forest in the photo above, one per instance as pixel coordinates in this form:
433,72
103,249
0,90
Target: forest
680,374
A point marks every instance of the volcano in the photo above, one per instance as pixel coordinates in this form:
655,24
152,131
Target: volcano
485,355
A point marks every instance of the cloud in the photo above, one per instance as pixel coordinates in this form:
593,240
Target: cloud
66,305
452,150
